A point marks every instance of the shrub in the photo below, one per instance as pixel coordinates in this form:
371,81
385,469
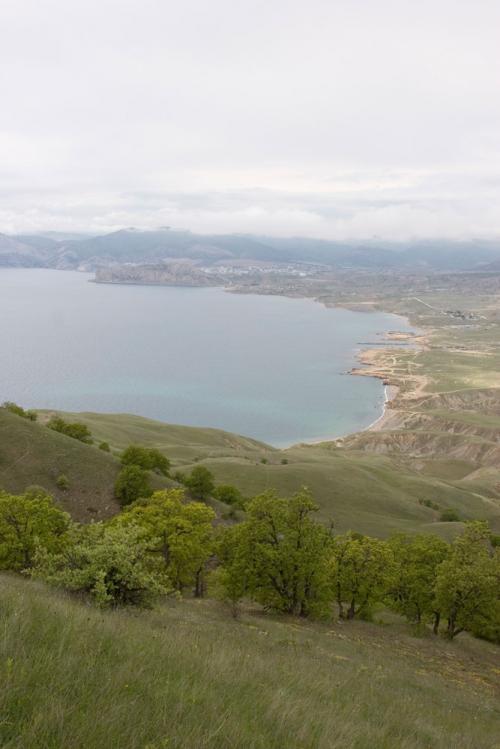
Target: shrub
228,494
429,503
62,482
148,458
449,516
200,482
28,522
19,411
76,430
132,483
105,447
284,461
111,563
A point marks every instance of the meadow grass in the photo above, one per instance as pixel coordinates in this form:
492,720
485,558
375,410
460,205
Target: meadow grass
187,675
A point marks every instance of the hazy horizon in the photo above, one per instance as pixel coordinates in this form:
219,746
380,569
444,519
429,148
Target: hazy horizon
336,120
59,234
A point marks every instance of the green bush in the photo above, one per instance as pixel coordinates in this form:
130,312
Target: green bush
132,483
28,522
19,411
148,458
429,503
179,535
449,516
111,563
76,430
200,482
62,482
105,447
228,494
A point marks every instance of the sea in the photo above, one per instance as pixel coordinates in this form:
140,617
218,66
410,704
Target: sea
267,367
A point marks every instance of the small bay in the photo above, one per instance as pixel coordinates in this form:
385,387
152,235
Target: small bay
267,367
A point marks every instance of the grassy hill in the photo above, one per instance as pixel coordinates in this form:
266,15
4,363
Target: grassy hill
375,494
32,454
187,675
369,492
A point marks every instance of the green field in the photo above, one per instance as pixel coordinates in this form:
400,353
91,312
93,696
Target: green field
187,675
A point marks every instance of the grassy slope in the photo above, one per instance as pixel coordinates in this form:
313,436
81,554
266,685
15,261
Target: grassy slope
186,675
32,454
371,493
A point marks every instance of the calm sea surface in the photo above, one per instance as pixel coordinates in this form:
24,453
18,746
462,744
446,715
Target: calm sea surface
267,367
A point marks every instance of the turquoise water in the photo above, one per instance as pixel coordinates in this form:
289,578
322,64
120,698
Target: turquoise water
264,366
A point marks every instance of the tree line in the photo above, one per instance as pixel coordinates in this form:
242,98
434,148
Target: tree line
279,556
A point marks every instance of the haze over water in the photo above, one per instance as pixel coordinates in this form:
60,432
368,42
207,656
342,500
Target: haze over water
264,366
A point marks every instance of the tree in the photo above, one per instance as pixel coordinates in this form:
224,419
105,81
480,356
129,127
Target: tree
148,458
279,556
180,533
19,411
235,578
27,522
200,482
62,482
131,484
76,430
449,516
228,494
468,581
364,571
109,562
412,589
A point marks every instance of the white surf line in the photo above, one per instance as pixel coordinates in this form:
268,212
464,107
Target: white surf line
384,409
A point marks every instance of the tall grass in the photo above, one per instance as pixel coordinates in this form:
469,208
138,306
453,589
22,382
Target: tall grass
186,675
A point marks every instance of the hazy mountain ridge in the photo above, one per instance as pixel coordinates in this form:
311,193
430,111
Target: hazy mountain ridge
143,247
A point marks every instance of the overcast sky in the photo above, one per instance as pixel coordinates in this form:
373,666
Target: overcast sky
325,118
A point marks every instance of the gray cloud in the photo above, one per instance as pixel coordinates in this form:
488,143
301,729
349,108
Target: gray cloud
337,119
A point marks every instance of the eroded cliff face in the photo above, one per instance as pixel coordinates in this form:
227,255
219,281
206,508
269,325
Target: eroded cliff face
459,426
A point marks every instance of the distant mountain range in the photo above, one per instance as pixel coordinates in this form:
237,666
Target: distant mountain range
65,251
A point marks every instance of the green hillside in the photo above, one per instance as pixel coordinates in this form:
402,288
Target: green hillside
371,493
32,454
188,675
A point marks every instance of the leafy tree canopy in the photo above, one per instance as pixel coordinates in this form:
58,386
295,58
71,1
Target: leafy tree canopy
363,574
110,562
228,494
200,482
279,555
468,582
132,484
416,562
148,458
180,533
27,522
